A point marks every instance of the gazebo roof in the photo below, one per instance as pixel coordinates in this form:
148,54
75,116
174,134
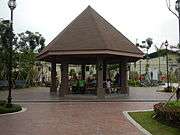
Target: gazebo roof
90,34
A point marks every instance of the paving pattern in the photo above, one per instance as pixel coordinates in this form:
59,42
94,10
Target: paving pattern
72,118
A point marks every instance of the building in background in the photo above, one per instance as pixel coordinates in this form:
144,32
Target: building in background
157,69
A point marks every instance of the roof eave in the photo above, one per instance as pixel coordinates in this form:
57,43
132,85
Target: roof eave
98,52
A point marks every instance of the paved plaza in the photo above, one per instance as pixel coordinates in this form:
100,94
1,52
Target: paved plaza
72,118
53,115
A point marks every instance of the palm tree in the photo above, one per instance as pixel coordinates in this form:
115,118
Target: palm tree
158,50
149,43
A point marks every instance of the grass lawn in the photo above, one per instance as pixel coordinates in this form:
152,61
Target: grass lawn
153,126
5,109
174,104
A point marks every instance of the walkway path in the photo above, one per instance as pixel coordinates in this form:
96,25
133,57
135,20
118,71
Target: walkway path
72,118
42,94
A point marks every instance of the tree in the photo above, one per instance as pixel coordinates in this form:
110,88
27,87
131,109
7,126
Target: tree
4,27
5,36
147,45
29,44
25,47
168,4
149,42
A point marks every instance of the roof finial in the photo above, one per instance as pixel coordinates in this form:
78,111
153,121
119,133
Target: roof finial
89,6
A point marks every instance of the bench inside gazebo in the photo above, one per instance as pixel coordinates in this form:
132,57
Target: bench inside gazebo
90,39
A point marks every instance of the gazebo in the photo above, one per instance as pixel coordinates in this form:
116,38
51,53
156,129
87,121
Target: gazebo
90,39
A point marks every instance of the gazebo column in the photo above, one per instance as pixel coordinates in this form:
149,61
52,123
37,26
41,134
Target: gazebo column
120,75
124,77
53,88
104,71
83,71
100,89
64,89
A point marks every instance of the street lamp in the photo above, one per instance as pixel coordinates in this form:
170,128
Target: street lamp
167,64
12,6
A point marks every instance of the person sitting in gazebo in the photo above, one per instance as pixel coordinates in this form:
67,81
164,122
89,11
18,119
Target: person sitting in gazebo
82,84
74,84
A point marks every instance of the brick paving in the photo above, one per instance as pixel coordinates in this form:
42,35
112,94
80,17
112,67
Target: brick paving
42,93
72,118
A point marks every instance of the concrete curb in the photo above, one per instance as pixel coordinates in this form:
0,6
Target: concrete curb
23,110
145,132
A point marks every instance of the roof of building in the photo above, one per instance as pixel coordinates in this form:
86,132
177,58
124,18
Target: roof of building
90,33
161,53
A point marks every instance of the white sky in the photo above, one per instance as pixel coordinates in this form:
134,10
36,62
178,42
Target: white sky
136,19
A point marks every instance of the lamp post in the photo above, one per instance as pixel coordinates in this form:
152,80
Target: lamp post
177,7
12,6
167,64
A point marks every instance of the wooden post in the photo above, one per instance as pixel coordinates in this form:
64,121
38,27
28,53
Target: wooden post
120,75
100,89
124,78
64,89
104,71
53,88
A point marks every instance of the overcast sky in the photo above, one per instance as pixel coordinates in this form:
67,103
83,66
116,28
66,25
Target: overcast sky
136,19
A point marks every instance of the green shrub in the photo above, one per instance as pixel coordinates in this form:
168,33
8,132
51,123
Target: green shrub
5,109
174,104
134,83
133,75
169,113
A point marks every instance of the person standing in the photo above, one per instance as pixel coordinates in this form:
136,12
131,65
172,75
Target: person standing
108,85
